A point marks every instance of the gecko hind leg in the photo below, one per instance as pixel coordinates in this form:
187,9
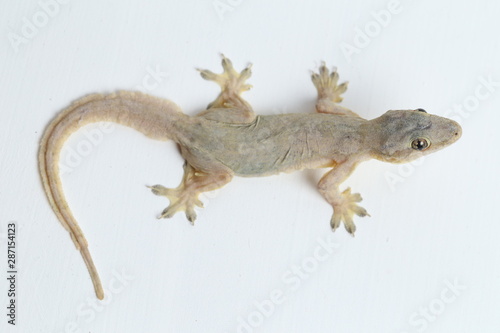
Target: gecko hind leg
232,85
185,196
329,92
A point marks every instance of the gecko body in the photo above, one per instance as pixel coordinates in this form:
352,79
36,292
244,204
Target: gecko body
228,139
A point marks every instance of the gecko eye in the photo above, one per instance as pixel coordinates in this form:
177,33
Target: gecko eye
421,110
420,144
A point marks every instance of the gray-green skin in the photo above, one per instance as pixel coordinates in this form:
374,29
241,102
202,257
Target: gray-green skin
229,139
288,142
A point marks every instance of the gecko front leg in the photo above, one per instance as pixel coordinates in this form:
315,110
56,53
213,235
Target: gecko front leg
329,92
344,203
185,196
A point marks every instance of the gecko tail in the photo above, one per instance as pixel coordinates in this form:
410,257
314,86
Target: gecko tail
96,280
154,117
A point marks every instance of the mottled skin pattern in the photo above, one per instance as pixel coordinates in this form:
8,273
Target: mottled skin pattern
229,139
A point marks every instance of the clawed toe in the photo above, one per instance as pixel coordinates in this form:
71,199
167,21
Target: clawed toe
335,221
160,190
191,215
208,75
227,65
349,224
168,212
246,73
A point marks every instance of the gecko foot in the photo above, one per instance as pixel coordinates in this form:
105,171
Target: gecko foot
180,200
185,196
326,84
344,211
231,82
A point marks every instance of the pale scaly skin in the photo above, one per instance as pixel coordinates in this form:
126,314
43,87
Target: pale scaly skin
228,139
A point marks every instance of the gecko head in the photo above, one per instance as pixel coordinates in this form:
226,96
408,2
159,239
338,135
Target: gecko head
405,135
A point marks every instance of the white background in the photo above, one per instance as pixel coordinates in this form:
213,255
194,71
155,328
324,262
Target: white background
434,224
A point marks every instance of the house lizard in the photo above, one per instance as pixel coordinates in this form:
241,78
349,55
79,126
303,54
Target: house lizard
228,139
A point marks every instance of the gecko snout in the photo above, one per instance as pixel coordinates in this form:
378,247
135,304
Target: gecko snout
457,130
448,132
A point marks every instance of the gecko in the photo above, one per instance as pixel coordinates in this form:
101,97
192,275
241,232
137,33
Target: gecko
229,139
